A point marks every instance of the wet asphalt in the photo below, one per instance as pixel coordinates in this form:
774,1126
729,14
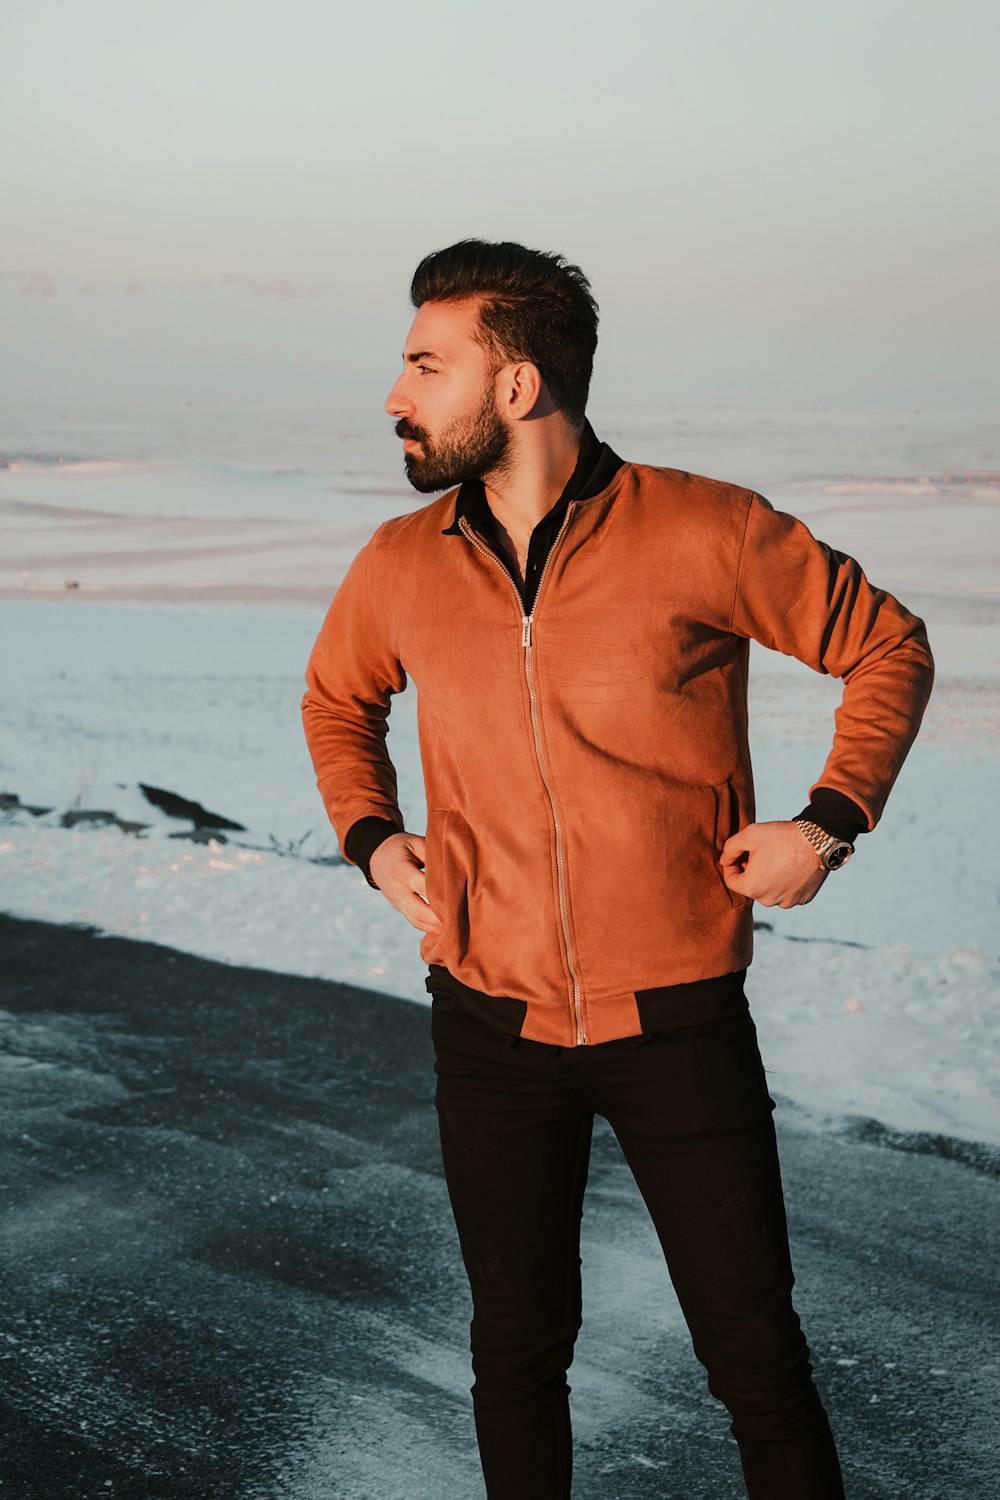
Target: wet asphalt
228,1267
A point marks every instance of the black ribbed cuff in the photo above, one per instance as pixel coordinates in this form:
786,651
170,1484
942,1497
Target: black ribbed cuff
363,838
836,814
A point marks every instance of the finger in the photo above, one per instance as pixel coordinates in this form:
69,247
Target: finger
738,845
746,883
733,871
804,893
421,917
787,896
798,897
417,912
419,887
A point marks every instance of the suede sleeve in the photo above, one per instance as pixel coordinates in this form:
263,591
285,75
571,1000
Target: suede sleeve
350,678
799,596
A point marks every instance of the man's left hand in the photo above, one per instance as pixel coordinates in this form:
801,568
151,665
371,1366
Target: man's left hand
772,863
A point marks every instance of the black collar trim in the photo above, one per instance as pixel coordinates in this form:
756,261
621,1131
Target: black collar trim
596,466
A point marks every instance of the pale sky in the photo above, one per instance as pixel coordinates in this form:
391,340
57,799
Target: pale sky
781,198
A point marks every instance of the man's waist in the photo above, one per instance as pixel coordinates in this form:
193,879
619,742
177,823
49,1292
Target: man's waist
660,1008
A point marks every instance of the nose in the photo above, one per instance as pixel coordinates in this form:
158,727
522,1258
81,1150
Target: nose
397,403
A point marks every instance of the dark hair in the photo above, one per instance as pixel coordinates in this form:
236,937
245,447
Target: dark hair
536,306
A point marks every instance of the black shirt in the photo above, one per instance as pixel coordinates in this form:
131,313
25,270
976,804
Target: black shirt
596,466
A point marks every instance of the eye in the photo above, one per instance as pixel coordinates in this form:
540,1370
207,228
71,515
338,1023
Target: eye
426,370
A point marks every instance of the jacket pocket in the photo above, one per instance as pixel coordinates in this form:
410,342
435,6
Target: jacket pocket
433,857
447,873
728,820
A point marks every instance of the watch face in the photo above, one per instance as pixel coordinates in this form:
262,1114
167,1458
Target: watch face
838,855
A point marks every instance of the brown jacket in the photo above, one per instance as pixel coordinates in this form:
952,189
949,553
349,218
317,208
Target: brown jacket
624,694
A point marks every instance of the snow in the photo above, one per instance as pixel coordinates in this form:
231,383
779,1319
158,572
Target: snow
177,661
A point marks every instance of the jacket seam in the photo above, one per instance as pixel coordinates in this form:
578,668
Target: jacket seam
610,489
739,559
369,553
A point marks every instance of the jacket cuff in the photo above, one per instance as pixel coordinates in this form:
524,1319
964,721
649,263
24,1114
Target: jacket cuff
363,838
836,814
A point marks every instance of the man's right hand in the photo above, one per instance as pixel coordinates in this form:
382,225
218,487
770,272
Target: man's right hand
397,868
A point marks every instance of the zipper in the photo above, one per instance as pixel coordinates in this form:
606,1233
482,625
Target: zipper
527,647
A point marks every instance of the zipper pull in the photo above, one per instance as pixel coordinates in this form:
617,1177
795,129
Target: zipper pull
525,631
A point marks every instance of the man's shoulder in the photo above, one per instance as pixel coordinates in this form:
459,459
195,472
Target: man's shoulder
701,496
428,520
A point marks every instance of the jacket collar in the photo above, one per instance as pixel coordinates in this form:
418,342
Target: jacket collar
596,466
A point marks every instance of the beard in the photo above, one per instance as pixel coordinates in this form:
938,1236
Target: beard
468,448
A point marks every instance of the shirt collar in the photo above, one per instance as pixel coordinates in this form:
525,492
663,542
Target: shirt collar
596,466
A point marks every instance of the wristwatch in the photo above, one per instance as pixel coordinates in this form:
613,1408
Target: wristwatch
833,852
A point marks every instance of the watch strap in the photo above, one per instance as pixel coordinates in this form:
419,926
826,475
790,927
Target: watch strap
831,851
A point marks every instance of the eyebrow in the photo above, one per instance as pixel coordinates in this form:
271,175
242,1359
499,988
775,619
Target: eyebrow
421,354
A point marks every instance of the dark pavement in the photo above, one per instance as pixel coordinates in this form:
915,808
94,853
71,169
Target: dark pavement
228,1267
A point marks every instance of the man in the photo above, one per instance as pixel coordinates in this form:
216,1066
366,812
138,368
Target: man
578,630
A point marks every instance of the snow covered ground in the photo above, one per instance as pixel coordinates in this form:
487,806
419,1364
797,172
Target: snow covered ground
201,565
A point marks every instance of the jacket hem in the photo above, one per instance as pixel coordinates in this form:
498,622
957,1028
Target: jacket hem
665,1007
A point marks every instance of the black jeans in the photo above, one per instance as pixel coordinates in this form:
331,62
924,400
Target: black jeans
691,1110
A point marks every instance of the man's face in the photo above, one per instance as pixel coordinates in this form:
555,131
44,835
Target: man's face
445,400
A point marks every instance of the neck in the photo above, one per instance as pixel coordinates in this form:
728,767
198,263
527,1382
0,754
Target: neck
537,471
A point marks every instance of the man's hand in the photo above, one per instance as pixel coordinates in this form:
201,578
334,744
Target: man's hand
773,863
397,868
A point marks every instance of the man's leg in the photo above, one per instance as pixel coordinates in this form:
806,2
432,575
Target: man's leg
516,1143
694,1120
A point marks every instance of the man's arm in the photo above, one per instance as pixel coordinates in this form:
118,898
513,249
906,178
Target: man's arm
351,677
799,596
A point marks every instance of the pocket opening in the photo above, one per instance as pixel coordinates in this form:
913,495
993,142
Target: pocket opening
727,822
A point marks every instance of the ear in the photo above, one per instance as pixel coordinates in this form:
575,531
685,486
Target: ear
519,388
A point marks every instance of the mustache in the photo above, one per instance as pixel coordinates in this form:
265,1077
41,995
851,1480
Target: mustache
405,429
